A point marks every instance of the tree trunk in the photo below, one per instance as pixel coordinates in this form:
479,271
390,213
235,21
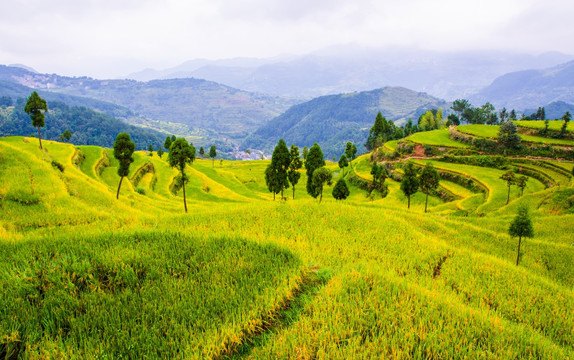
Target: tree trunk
184,201
508,196
518,255
40,138
281,193
273,195
293,192
521,191
409,206
426,201
213,162
321,198
119,186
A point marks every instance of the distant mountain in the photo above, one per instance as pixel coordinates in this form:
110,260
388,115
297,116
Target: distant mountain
200,106
354,68
530,88
553,110
88,127
333,120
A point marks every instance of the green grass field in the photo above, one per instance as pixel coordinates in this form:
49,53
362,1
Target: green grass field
555,125
84,275
436,138
491,131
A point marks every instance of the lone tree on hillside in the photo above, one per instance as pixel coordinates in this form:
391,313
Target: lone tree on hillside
150,149
343,163
521,183
201,151
293,172
350,152
35,107
123,150
180,154
212,154
167,143
429,180
409,182
66,136
566,117
521,227
510,180
313,162
341,190
280,161
321,176
159,151
508,136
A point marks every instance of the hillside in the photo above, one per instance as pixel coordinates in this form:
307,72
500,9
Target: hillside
214,110
88,127
335,119
242,275
530,89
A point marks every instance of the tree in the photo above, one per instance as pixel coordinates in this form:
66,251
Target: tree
452,119
429,180
167,143
212,154
459,106
503,115
521,183
343,163
377,133
180,154
350,152
201,151
314,161
293,173
521,227
123,150
150,149
271,180
280,161
305,152
409,182
510,180
566,117
159,151
66,136
508,136
5,101
321,176
35,108
341,190
512,115
427,121
173,138
379,175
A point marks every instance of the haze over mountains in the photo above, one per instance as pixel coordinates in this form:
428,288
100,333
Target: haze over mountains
351,68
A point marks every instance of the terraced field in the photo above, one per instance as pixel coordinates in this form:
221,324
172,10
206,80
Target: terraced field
436,138
84,275
491,131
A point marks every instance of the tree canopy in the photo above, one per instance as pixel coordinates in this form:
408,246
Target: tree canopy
124,148
180,154
429,180
410,181
521,227
293,173
313,162
35,108
321,176
341,190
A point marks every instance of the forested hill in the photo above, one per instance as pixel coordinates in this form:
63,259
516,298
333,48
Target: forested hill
229,113
88,127
335,119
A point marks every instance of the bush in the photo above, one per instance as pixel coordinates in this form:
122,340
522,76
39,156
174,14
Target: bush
140,190
58,165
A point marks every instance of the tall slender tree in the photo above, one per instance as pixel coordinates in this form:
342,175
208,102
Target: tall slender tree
124,148
212,154
321,176
521,183
280,161
180,154
350,152
409,182
293,173
167,143
35,107
521,227
343,163
429,180
271,180
314,161
566,118
201,151
510,180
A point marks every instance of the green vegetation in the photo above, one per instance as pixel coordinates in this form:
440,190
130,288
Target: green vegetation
123,151
436,138
554,125
35,107
243,276
491,131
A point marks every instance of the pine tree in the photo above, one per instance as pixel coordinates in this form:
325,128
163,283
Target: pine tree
212,154
510,180
201,151
341,190
321,176
159,151
521,227
167,143
508,136
314,161
343,163
280,161
293,173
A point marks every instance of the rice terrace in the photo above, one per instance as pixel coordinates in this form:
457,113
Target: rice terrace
454,242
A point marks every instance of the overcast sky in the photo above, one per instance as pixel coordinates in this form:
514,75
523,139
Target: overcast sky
110,38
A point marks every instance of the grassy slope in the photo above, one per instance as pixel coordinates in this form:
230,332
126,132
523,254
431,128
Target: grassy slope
555,125
491,131
397,282
437,138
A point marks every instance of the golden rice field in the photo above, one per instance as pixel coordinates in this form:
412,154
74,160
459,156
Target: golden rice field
86,276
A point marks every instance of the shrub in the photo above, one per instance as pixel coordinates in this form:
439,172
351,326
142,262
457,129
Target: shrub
58,165
140,190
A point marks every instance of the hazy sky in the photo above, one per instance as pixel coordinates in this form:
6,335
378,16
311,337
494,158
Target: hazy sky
109,38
